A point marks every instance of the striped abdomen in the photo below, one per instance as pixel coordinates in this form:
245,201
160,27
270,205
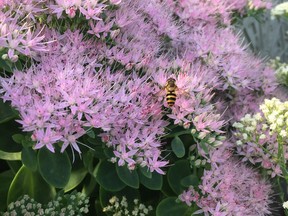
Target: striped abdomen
170,98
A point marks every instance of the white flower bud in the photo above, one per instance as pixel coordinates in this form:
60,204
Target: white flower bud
197,162
239,142
211,140
202,135
217,143
245,136
262,136
283,133
238,125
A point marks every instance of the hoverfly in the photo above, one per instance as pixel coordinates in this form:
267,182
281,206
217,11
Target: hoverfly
170,89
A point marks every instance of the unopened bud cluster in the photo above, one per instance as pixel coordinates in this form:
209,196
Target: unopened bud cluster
259,135
121,207
64,205
280,10
281,70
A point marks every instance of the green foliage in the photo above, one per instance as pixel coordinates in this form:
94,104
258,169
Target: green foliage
31,183
75,179
176,173
6,112
5,179
10,156
153,183
29,158
190,180
55,168
129,177
169,207
178,147
106,175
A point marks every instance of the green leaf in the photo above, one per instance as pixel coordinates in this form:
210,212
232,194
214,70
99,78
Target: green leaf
153,183
204,147
91,134
11,156
76,178
88,158
89,186
6,112
166,189
129,177
5,179
109,152
178,147
55,168
100,152
29,158
31,183
190,180
169,207
5,65
146,172
106,175
14,165
17,138
176,173
27,142
7,130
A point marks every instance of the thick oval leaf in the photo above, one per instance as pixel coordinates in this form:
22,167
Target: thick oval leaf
99,152
129,177
146,172
106,175
166,189
190,180
91,134
6,112
178,147
7,130
5,179
153,183
88,158
18,138
176,173
169,207
31,183
204,147
89,186
10,156
55,168
5,65
29,158
76,178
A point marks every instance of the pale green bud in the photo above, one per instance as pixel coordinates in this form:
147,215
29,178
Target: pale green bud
193,131
262,136
197,162
217,143
239,142
238,125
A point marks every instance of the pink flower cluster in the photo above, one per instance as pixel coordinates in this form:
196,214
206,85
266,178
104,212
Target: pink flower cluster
230,188
18,34
63,95
214,11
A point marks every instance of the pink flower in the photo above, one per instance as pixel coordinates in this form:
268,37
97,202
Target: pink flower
231,188
189,196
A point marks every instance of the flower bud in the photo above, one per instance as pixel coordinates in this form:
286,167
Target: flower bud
193,131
